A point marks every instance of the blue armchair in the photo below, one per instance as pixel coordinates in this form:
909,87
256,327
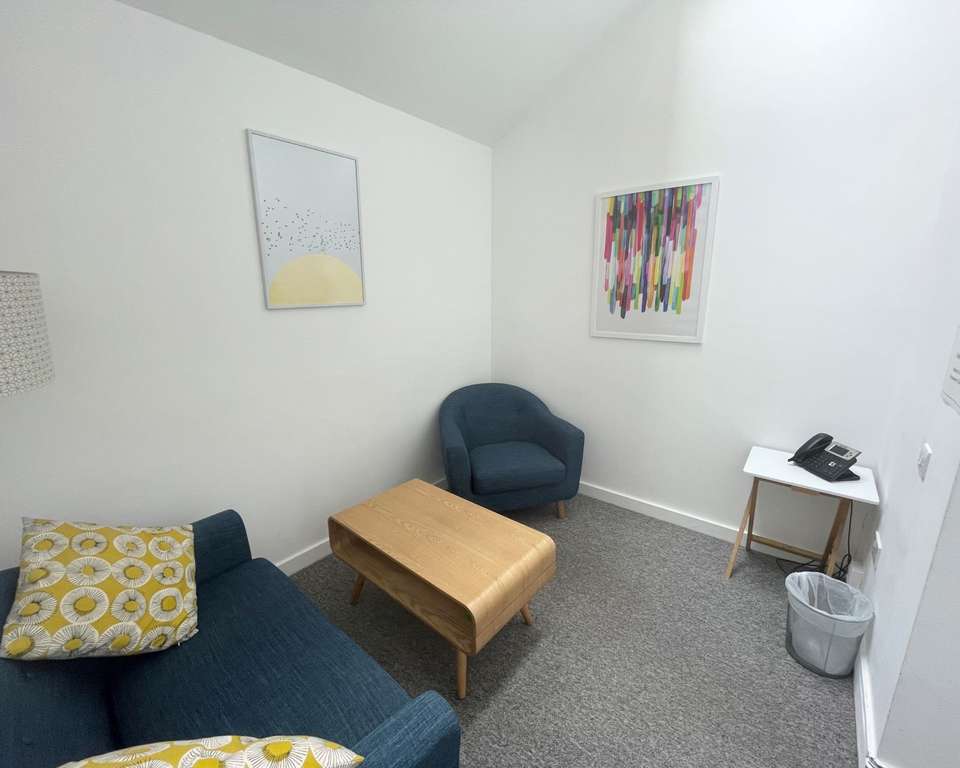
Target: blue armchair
504,450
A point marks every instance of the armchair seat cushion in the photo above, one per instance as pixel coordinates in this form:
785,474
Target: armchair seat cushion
513,465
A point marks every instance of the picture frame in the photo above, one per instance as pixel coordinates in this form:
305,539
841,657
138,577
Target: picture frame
645,283
307,208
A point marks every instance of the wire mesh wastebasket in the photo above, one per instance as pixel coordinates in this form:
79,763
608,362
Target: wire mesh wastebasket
826,620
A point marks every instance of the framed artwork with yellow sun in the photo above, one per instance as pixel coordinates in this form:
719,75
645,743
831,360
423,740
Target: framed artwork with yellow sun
307,204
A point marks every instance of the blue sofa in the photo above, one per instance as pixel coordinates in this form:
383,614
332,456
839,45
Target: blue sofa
264,662
505,450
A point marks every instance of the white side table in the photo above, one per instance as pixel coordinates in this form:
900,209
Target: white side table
773,466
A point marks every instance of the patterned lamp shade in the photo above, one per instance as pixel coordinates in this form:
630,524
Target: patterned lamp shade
25,360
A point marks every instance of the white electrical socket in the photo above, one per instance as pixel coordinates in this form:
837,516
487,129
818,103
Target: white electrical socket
877,549
923,460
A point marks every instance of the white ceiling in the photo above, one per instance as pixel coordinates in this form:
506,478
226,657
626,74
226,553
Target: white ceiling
469,65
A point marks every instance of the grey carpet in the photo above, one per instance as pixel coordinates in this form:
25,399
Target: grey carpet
640,655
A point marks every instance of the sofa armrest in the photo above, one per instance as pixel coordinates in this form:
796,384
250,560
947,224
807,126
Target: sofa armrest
456,457
562,439
221,543
424,734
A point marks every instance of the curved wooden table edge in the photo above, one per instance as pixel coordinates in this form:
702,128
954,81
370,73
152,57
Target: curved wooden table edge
467,625
486,619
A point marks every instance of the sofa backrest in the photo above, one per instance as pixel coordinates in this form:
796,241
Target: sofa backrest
58,711
493,413
221,543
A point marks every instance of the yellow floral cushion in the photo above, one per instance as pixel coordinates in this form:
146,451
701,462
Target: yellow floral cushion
229,752
101,590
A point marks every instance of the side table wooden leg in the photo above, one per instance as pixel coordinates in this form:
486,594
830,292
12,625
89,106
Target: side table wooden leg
836,532
527,616
561,510
461,674
747,515
357,589
753,514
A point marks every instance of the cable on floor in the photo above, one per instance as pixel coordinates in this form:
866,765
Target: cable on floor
842,568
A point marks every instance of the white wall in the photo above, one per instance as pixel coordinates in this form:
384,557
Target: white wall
828,123
834,289
126,186
912,642
921,729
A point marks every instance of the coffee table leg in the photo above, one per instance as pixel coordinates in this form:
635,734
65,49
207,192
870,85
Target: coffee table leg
357,589
527,616
461,674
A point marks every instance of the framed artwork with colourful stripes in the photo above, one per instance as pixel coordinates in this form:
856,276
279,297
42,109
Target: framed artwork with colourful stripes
651,263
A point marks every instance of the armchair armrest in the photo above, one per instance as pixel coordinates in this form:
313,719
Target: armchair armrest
456,457
562,439
220,542
424,734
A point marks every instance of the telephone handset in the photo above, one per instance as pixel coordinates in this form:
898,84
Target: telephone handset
824,457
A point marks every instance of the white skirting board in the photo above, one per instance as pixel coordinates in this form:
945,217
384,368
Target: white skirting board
318,550
306,556
863,704
675,516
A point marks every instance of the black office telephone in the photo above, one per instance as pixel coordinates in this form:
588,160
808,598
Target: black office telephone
824,457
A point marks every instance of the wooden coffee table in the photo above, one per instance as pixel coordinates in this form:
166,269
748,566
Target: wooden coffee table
461,569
